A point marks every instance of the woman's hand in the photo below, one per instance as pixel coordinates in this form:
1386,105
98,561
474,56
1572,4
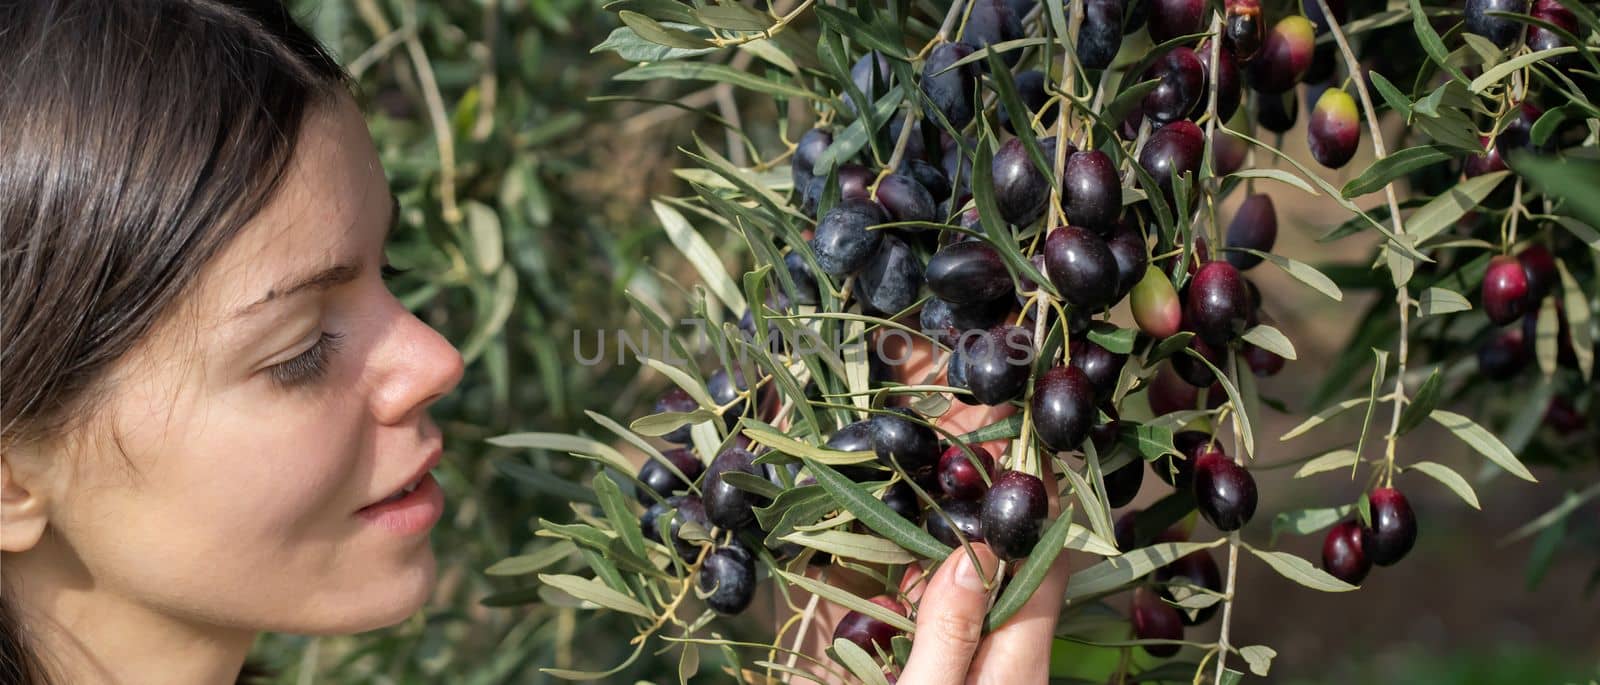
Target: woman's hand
949,646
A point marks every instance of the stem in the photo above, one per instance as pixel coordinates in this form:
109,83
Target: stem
1402,296
1233,538
440,120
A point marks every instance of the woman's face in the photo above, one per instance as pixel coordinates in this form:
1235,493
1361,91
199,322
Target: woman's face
260,451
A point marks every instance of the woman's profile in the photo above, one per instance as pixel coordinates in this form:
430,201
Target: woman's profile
215,412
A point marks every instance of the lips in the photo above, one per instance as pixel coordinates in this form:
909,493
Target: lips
414,480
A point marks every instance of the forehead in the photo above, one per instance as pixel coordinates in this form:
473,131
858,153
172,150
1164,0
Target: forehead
333,190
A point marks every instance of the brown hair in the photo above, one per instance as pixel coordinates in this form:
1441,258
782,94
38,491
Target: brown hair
139,137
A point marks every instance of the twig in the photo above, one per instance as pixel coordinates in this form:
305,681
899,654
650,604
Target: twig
440,120
1402,296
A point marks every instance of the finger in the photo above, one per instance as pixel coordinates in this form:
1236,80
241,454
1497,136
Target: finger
1019,650
950,619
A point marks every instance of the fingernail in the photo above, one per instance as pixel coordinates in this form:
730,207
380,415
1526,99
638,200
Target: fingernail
967,576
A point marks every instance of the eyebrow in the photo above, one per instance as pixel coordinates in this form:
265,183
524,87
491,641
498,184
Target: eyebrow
336,275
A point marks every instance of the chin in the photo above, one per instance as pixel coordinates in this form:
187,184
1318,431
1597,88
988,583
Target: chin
394,596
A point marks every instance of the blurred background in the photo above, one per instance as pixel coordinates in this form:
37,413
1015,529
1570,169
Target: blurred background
525,173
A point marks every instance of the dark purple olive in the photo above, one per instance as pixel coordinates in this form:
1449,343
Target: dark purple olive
1539,268
723,389
1193,371
1228,88
952,90
1014,513
1227,153
904,199
688,508
729,574
842,243
1243,27
655,476
1505,290
805,286
955,515
856,437
1172,18
930,178
1101,34
1093,191
866,632
1030,87
854,181
1168,393
891,281
1518,132
968,272
1182,81
728,506
990,22
1562,417
897,438
1123,483
1254,226
1225,493
1285,55
1128,248
1179,472
1394,527
997,362
1200,570
1081,267
806,153
1063,407
902,500
872,83
1504,355
1217,304
1501,31
1020,188
1541,38
1154,619
960,478
1335,129
676,400
1102,366
1173,150
1342,557
1275,112
1263,363
1134,13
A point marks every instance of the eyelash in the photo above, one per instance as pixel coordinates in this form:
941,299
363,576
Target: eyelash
312,364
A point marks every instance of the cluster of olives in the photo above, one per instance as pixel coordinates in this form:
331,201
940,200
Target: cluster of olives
1008,510
1351,548
901,242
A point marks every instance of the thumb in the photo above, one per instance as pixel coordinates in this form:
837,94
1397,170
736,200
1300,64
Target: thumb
950,618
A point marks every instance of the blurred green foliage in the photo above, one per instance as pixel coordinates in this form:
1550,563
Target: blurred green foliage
517,231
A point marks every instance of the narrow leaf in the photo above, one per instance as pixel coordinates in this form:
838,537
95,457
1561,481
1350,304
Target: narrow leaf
1421,405
875,514
1483,441
1301,571
1397,164
1302,272
1442,212
1450,478
1436,301
1032,572
1336,459
1270,339
592,590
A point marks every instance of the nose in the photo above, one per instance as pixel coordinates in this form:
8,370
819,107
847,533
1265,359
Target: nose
420,367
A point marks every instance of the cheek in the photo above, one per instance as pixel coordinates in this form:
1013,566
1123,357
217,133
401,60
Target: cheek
217,496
